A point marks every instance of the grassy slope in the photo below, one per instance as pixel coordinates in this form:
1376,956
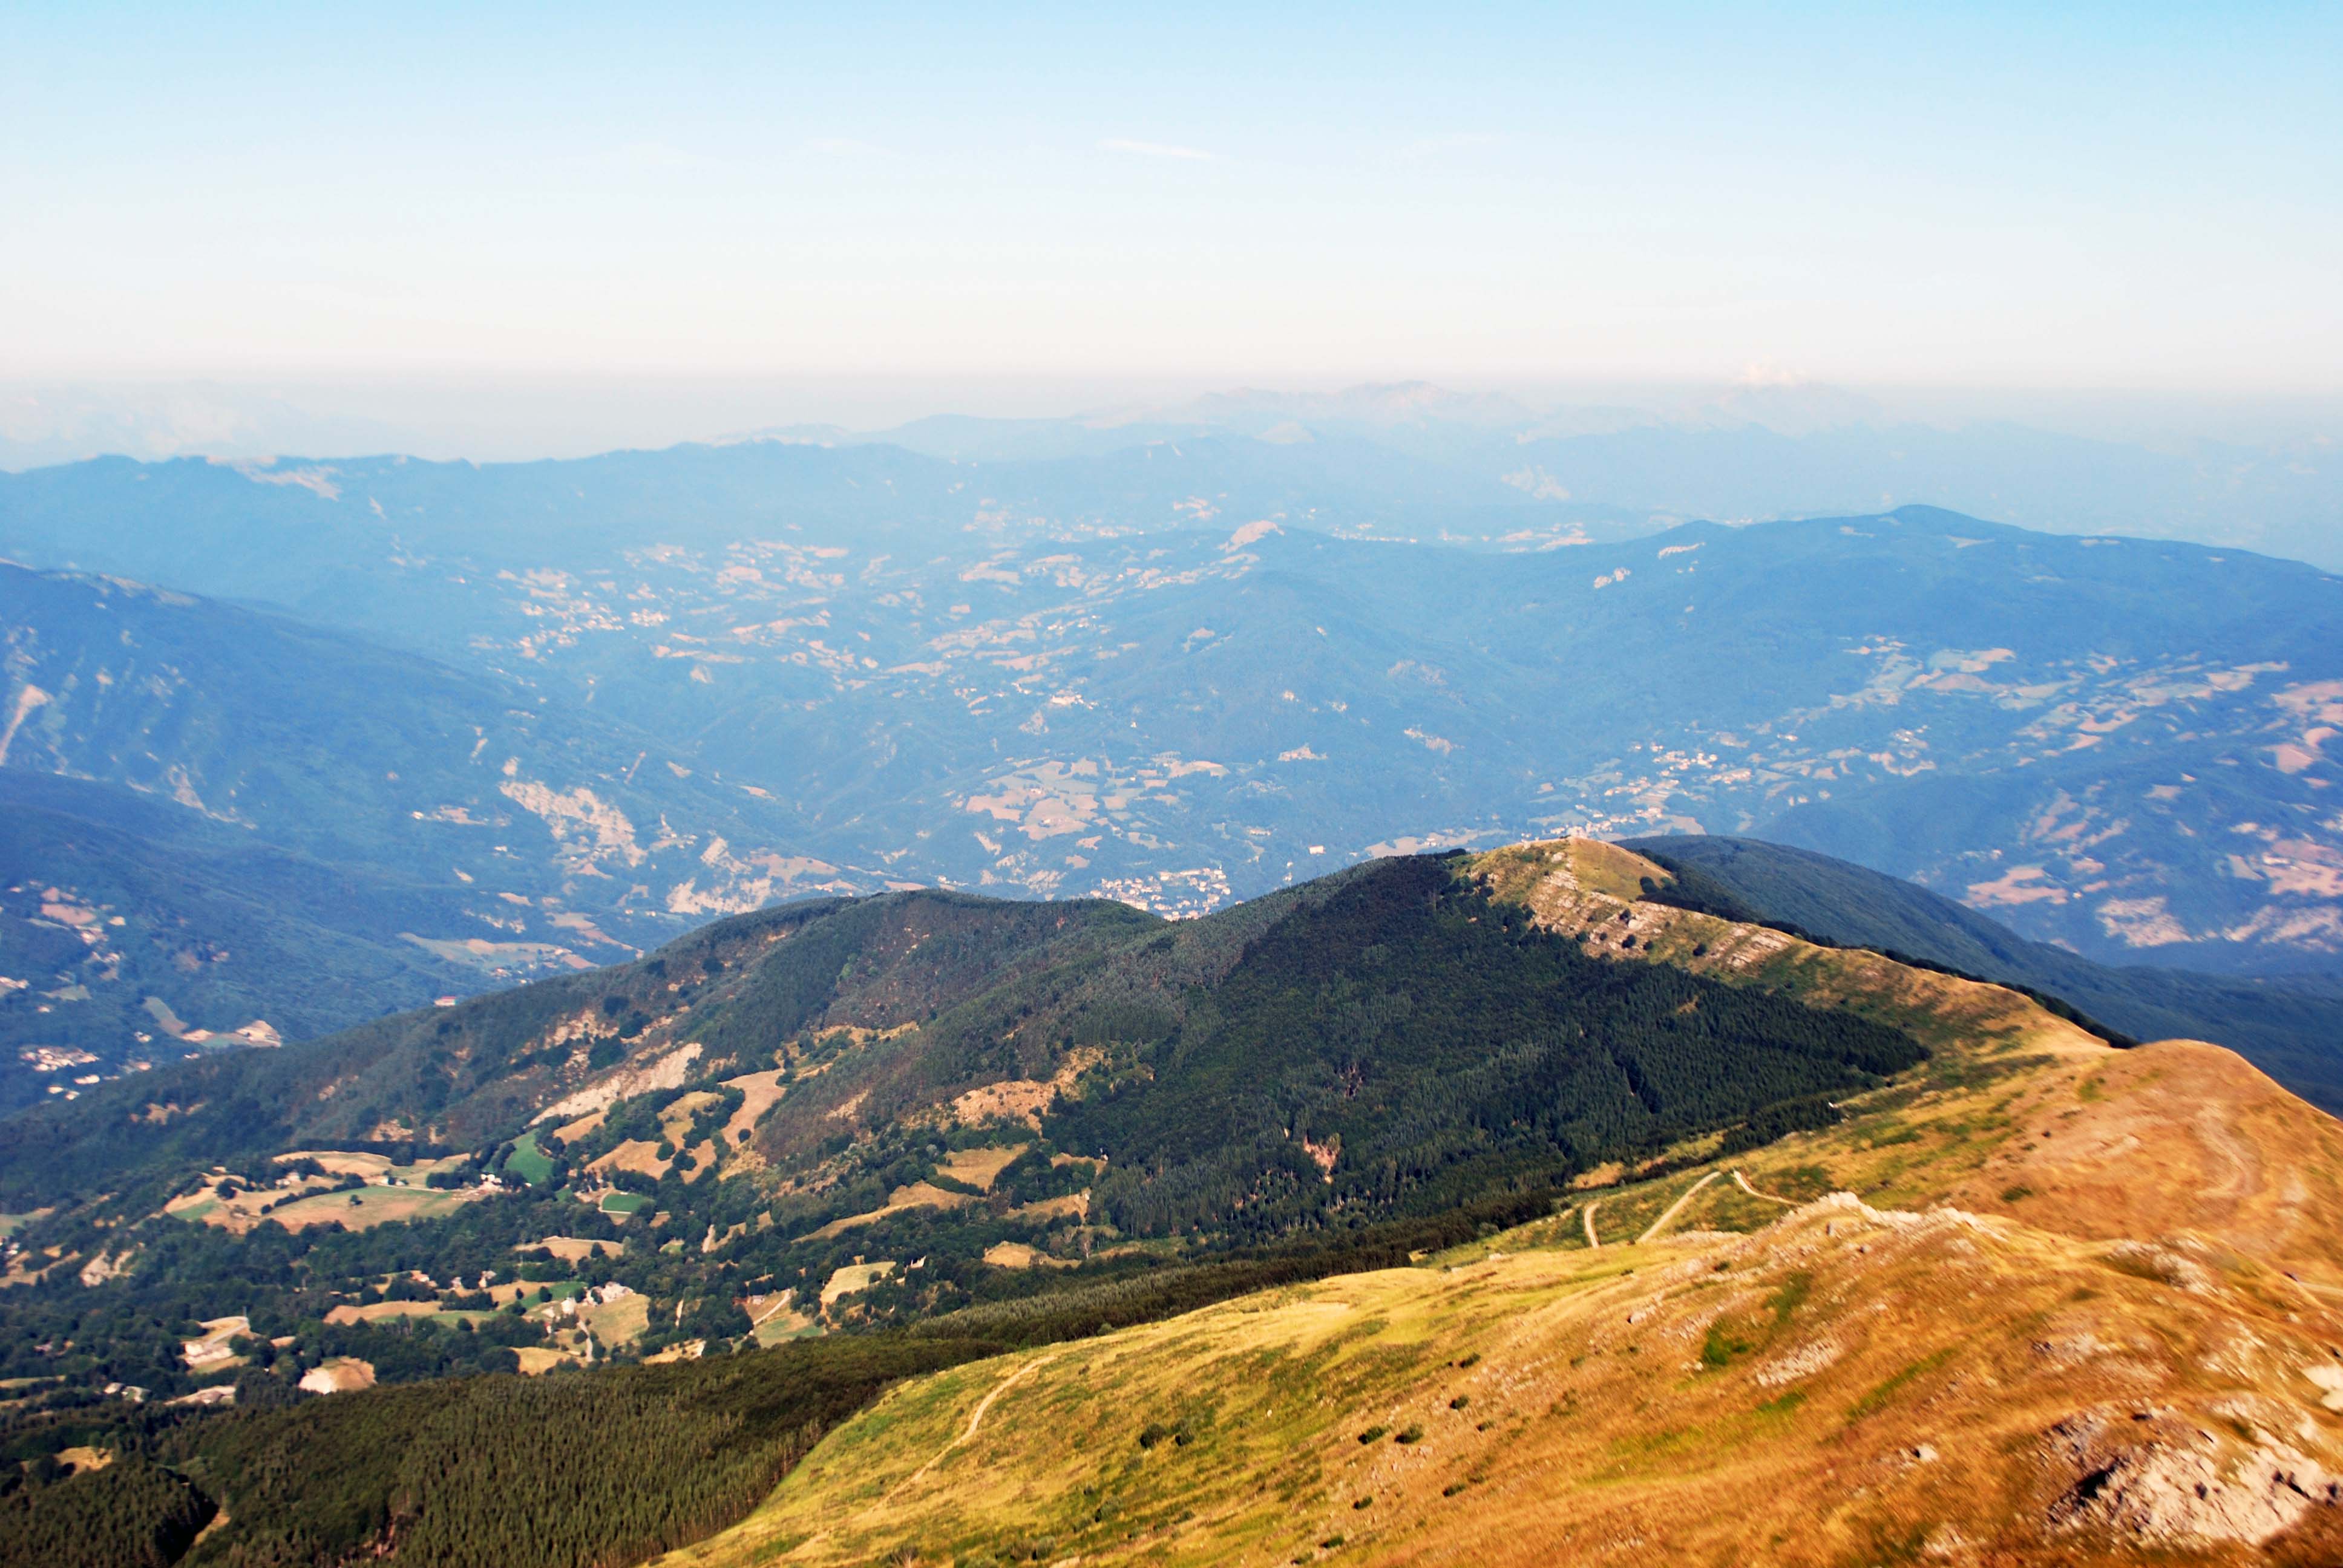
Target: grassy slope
2141,1271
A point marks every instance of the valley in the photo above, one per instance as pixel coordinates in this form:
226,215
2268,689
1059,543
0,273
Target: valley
1211,677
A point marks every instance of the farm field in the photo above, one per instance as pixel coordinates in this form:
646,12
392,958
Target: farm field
528,1162
574,1249
618,1322
980,1168
378,1311
368,1206
369,1167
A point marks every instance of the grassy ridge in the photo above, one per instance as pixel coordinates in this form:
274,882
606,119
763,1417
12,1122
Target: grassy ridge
2284,1024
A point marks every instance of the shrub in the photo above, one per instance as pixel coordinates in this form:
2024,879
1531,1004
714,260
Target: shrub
1720,1347
1156,1433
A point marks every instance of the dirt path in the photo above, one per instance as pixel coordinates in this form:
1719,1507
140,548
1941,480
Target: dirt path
975,1420
1669,1213
1743,1183
1593,1242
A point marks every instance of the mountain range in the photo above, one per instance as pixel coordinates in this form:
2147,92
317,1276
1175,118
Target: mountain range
1630,459
554,712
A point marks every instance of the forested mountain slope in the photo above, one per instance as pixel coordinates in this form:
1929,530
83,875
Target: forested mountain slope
1387,1024
126,917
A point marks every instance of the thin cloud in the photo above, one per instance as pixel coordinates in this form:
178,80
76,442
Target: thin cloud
847,147
1158,150
655,157
1431,147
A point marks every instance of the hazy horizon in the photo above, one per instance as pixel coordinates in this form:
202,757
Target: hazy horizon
515,419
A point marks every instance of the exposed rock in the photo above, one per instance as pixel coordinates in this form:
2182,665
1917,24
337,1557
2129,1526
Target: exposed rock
2162,1484
2155,1261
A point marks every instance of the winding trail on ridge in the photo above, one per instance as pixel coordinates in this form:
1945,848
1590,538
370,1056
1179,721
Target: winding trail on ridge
1743,1183
1593,1242
1669,1213
975,1420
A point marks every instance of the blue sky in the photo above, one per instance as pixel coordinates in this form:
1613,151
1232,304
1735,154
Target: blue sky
2129,197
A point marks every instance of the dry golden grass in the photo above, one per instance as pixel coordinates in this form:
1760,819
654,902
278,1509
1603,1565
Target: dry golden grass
617,1322
980,1168
239,1214
575,1249
854,1277
1847,1386
357,1209
1022,1099
704,1156
759,1091
338,1374
1072,1206
83,1460
640,1154
343,1162
374,1206
375,1311
1018,1255
775,1318
570,1131
917,1195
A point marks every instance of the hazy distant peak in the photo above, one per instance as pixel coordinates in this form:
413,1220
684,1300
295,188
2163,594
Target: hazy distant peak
1256,410
1797,408
789,435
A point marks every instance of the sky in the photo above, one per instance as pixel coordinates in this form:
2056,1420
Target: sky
2143,198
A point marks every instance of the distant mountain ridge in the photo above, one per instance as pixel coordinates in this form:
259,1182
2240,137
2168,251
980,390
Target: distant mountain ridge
1629,460
2287,1026
217,816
